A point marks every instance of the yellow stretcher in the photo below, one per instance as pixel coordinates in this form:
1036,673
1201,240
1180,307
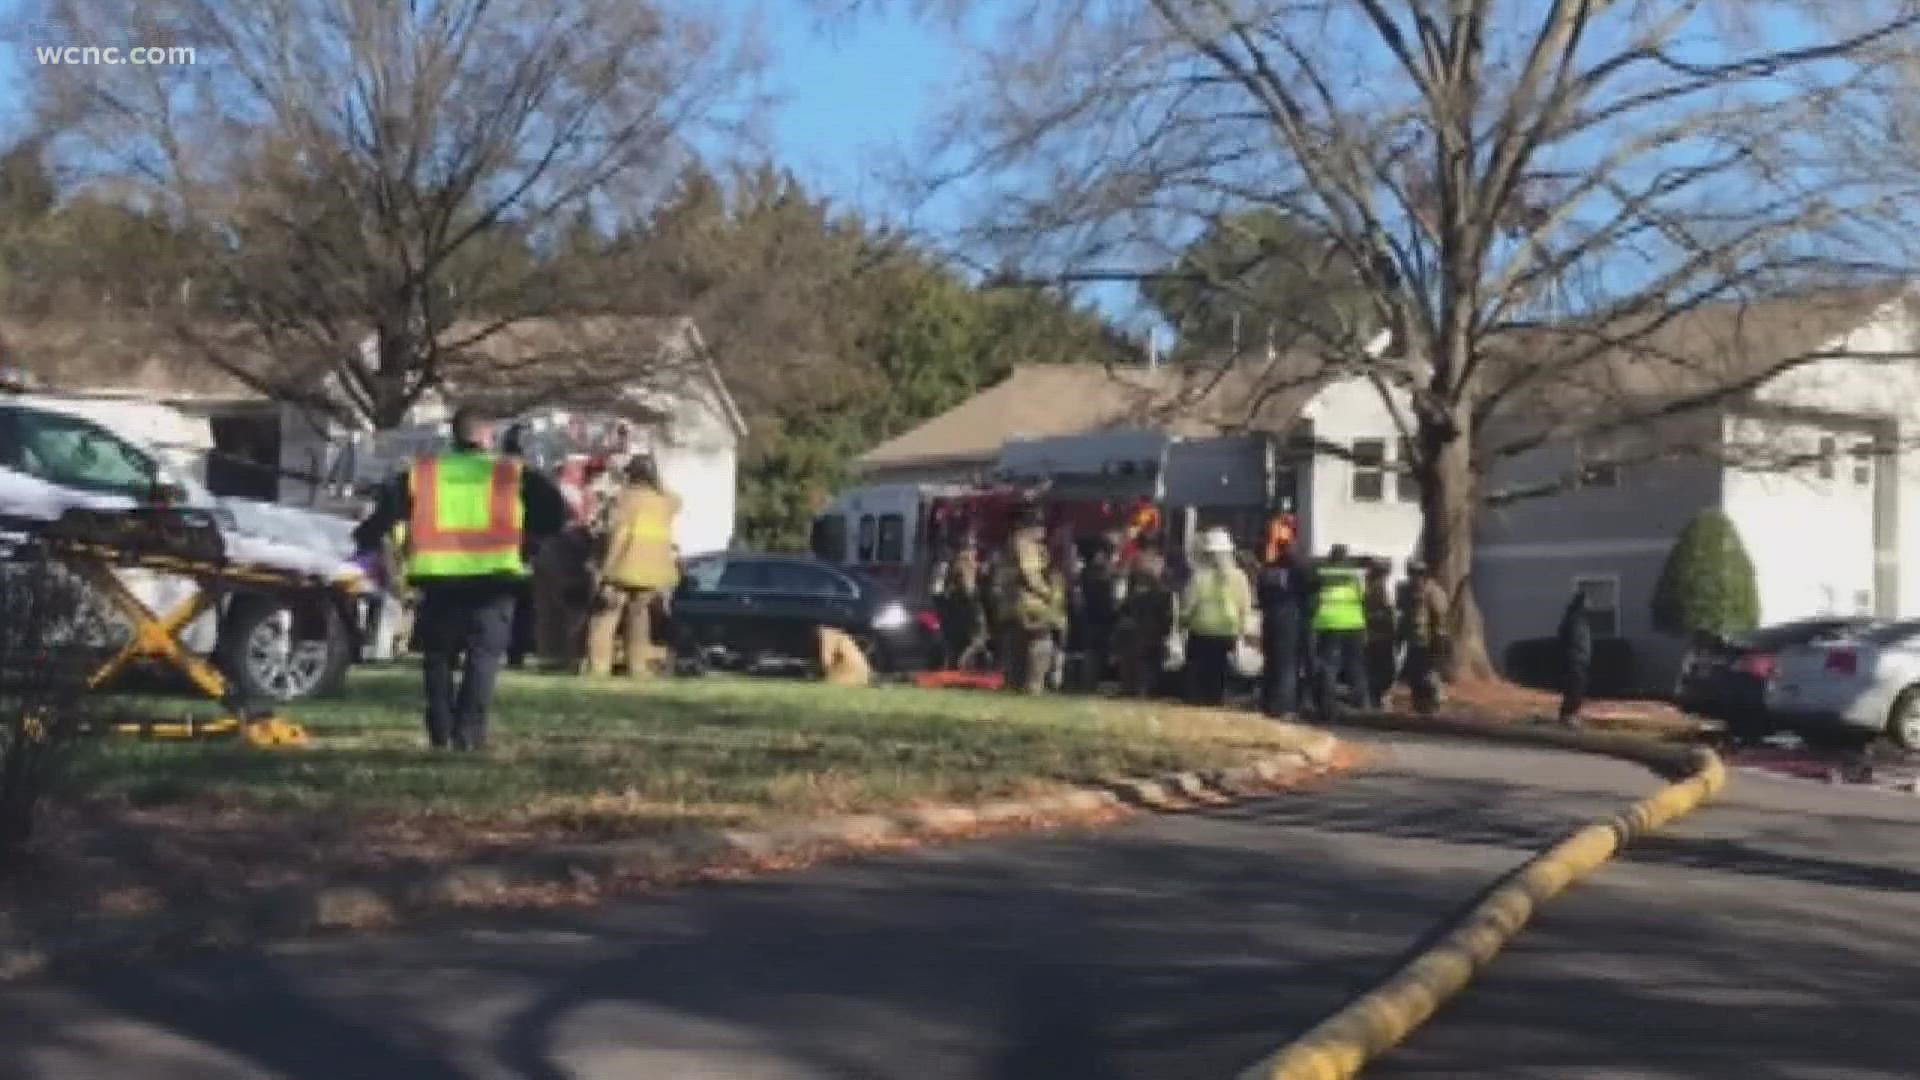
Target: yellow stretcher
156,635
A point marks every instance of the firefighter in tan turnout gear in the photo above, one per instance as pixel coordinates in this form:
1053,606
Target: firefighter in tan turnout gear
1032,603
639,570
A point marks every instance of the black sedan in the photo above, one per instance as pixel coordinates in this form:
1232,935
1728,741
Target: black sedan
1726,679
758,613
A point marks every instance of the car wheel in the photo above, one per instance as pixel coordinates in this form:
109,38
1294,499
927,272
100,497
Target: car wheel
268,658
1903,721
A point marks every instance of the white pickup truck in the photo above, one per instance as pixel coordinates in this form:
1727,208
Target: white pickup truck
60,454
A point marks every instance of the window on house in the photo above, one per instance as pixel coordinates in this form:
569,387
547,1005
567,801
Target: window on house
1406,486
1827,449
864,542
1863,463
893,539
1603,604
1369,470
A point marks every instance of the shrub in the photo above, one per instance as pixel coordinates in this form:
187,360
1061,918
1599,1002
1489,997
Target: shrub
1707,583
45,659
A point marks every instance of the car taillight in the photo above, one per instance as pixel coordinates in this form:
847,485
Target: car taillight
1843,662
929,622
1758,665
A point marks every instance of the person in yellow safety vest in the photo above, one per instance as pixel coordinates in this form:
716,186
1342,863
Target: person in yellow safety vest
1423,626
1215,609
639,569
1340,630
1032,601
469,518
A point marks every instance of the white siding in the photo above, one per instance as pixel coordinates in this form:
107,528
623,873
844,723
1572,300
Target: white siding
1884,388
1811,538
1343,412
704,478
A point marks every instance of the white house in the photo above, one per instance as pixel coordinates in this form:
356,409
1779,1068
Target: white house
1816,467
1230,444
656,375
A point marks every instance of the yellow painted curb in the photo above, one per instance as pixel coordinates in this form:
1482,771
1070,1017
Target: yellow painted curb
1379,1020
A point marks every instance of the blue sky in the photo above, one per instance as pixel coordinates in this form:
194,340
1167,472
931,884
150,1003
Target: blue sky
849,91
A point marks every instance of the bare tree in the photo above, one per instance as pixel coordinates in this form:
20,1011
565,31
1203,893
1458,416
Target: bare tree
1532,194
386,182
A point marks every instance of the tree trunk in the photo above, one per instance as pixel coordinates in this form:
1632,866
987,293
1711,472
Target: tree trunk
1448,496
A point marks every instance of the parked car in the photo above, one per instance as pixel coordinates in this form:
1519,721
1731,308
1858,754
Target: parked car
276,645
1726,678
742,612
1853,687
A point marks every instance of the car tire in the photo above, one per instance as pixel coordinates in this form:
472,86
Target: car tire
245,654
1903,720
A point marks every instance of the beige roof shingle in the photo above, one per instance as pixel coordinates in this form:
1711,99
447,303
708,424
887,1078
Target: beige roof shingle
549,361
1646,362
1048,400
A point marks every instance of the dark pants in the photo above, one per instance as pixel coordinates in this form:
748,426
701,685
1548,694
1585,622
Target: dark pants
1574,693
1280,663
1207,668
1028,659
522,636
1341,657
470,620
1423,681
1379,664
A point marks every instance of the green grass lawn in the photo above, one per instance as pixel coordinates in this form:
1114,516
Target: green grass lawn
607,757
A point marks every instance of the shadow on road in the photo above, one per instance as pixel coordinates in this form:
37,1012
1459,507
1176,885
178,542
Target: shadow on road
1172,947
1175,946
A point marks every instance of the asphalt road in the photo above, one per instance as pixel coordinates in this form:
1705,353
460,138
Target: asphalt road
1759,940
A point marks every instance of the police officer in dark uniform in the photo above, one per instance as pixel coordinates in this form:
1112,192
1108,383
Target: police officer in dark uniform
469,517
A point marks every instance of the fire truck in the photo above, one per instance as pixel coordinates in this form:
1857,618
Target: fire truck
1124,482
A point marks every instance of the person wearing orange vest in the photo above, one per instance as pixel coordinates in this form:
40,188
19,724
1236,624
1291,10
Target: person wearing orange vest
639,570
469,517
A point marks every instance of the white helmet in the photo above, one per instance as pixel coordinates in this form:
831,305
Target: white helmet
1217,542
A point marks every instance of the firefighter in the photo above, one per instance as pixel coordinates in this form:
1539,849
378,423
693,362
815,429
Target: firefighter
469,515
562,590
1423,627
1340,630
638,571
1214,609
1032,602
514,445
1282,592
1377,599
1098,611
1146,619
962,617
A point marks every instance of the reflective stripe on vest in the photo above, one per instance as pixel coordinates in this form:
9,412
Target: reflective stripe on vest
467,517
1342,604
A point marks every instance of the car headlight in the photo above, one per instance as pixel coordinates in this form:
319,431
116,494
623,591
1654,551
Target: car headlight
892,617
